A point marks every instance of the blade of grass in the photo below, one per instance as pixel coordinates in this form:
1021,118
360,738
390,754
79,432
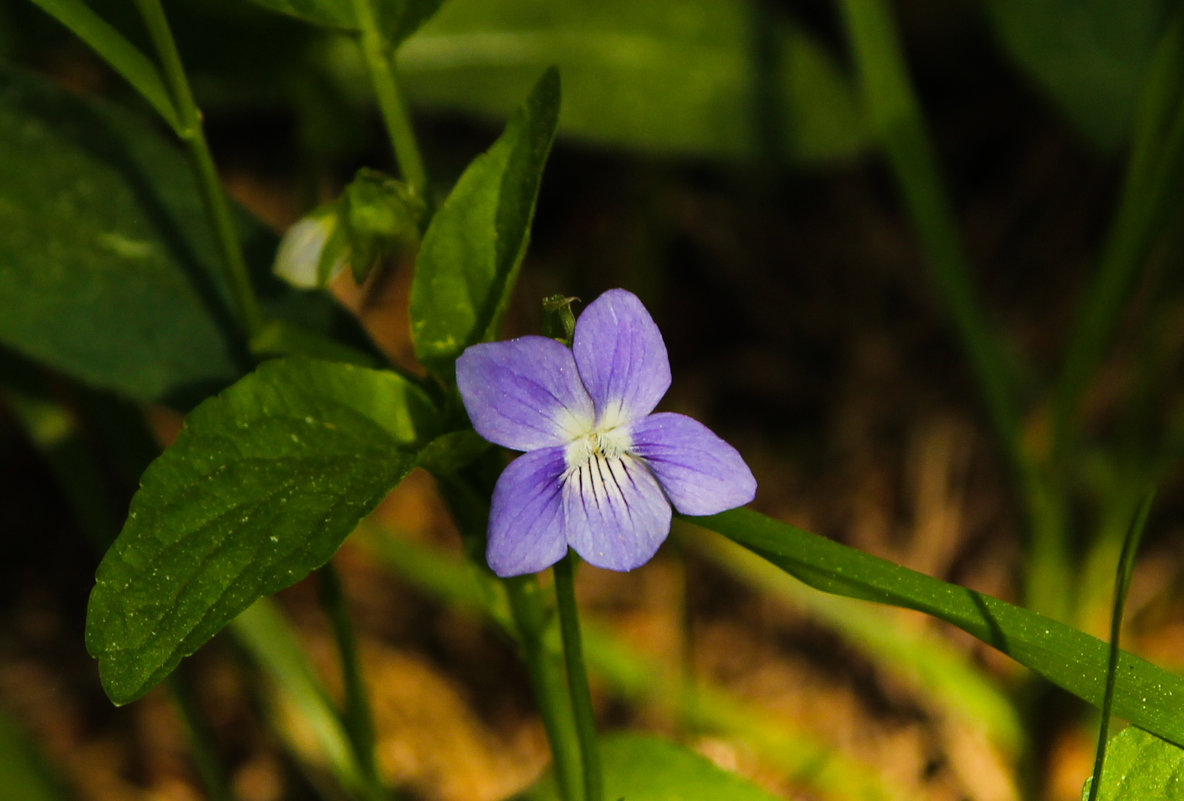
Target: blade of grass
356,715
271,642
1150,697
895,116
201,739
896,119
1154,183
1122,582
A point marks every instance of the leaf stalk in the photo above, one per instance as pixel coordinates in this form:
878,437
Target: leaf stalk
377,56
192,133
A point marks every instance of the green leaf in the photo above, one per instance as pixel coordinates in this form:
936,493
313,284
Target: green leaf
689,77
118,52
643,768
262,486
1140,767
107,270
475,243
1146,695
1088,56
398,19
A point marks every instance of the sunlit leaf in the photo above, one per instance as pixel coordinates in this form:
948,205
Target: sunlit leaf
471,251
1146,695
1140,767
671,76
262,486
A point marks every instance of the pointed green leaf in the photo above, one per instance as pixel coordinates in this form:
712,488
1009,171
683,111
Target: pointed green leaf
108,272
262,486
397,18
692,77
471,251
1146,695
644,768
1140,767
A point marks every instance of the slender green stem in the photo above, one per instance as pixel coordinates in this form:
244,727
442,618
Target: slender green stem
201,742
357,717
577,678
390,102
1122,582
546,678
234,265
534,625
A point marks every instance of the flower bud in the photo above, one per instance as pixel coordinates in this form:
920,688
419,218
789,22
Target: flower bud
382,216
314,250
558,320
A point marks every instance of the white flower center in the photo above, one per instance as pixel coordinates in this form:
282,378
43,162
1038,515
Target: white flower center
601,445
597,470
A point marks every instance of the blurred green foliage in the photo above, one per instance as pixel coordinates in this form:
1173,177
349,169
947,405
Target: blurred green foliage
23,772
1088,56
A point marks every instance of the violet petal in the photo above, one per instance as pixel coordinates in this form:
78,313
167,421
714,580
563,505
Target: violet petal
621,357
524,393
526,516
615,513
701,474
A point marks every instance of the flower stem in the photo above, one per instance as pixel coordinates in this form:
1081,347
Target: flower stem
547,681
234,265
356,716
577,678
390,102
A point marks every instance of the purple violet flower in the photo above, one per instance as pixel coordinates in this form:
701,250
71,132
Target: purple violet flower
600,471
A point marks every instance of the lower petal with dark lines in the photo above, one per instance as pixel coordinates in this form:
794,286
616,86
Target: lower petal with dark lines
614,512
